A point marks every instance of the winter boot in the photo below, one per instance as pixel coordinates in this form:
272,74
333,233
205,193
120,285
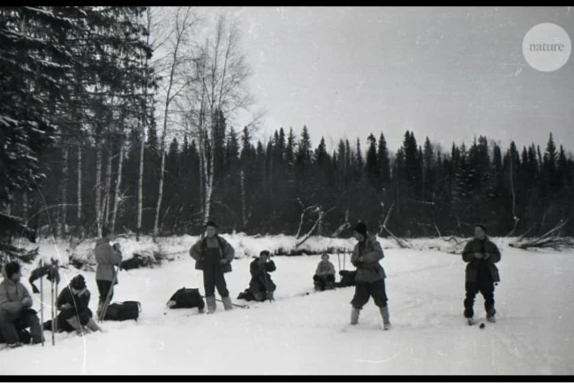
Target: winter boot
227,305
270,296
14,345
355,316
490,316
93,326
386,317
211,305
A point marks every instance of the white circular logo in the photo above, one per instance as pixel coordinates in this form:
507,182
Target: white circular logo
546,47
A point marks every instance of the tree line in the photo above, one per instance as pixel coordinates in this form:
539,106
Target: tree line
92,95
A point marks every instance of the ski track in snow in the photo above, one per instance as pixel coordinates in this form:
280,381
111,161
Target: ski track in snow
309,334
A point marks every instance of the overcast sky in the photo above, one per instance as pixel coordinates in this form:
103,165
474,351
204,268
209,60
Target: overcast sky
447,72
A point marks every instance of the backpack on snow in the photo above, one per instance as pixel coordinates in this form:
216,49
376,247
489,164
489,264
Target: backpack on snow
121,311
186,299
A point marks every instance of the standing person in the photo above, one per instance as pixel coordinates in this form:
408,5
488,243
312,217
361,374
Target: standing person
261,285
107,257
370,277
480,254
324,277
213,255
16,308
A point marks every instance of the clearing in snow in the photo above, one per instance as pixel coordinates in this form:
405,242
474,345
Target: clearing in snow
308,334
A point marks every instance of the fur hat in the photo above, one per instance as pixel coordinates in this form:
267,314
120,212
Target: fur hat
481,226
78,282
361,228
11,269
211,224
325,256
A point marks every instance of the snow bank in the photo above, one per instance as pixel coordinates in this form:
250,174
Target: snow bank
172,248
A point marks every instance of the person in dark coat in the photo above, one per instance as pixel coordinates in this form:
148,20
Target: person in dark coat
73,303
261,285
480,254
107,258
16,311
324,278
370,277
213,255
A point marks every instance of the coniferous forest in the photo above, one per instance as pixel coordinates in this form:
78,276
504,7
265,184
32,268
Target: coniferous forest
98,129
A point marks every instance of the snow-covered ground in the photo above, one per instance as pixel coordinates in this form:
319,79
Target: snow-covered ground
309,334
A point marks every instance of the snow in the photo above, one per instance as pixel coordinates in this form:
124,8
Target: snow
299,334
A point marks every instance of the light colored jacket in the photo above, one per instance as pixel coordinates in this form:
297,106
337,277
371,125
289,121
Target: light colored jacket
368,267
11,296
325,268
106,257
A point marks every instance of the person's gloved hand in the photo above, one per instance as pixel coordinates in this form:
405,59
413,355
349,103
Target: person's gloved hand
27,302
486,256
66,306
478,255
223,261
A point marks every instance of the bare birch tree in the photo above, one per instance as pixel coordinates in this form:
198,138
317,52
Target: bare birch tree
180,51
218,89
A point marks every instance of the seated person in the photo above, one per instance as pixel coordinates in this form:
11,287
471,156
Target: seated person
324,278
16,311
73,304
261,284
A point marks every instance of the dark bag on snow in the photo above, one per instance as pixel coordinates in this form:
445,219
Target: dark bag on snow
347,278
186,299
120,311
246,295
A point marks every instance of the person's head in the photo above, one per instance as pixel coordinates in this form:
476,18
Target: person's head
77,284
325,257
360,232
264,256
12,270
211,229
479,231
106,233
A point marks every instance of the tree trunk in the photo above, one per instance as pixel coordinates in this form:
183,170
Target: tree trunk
140,183
118,184
64,193
25,206
160,195
243,202
108,187
98,189
79,203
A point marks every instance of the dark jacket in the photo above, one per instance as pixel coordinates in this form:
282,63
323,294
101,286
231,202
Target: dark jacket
368,268
198,251
260,279
78,305
483,247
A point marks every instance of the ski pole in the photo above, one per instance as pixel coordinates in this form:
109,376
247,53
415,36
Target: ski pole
55,299
42,303
339,259
344,260
53,309
108,297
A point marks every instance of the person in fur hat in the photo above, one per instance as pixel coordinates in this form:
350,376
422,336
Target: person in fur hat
16,308
370,277
261,285
73,304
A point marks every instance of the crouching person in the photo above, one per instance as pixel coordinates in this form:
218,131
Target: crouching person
324,278
261,284
16,308
73,304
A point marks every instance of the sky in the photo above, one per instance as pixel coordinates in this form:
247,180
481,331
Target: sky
450,73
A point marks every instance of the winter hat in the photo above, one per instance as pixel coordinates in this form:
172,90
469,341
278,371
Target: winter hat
11,269
265,253
361,228
481,226
325,256
211,224
78,282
